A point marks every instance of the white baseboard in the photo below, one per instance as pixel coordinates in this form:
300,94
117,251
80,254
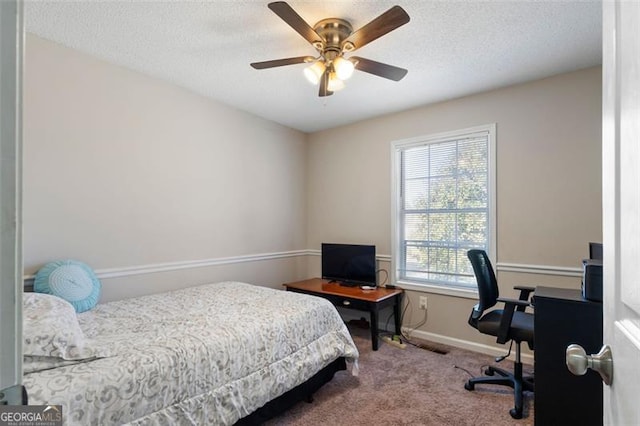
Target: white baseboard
349,314
466,344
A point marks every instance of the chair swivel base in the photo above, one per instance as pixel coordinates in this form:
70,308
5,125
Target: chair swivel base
505,378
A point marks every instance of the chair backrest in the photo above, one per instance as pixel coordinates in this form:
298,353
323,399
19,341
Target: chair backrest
486,279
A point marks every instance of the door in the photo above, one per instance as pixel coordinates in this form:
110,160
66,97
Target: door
11,37
621,207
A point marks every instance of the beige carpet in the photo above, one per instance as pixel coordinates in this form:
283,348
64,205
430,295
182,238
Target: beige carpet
409,387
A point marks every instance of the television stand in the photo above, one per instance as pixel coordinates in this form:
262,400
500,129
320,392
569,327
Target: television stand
356,298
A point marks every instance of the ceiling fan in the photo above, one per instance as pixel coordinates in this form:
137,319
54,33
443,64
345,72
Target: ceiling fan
333,38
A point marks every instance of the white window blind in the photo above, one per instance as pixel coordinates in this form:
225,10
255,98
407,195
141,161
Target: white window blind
444,207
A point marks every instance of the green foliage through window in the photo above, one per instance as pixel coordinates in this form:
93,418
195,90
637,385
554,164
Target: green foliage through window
444,208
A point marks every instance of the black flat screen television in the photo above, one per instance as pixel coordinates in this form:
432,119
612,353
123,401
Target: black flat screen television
349,264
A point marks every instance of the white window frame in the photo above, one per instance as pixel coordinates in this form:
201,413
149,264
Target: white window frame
396,149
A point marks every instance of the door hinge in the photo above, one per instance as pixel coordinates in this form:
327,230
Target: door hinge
14,395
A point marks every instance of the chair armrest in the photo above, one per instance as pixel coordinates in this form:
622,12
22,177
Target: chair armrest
525,291
514,302
507,316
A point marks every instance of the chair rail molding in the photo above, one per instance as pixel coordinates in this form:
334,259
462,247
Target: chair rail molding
525,268
189,264
202,263
379,257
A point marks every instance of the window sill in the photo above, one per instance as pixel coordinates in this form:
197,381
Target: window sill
438,289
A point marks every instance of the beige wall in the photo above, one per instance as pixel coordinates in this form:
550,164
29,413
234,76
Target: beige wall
138,178
123,171
548,183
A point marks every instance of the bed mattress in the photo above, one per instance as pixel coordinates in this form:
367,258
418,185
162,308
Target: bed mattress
210,354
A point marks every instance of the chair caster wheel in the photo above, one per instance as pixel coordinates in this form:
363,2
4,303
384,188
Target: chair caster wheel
469,386
515,413
489,372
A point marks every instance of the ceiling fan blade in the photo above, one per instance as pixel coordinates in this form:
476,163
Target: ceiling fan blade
288,15
324,83
383,24
281,62
379,69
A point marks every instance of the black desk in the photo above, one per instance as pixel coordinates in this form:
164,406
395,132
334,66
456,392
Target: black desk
563,317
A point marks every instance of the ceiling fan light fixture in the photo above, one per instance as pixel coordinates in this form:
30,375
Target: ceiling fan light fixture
344,67
334,83
333,38
314,72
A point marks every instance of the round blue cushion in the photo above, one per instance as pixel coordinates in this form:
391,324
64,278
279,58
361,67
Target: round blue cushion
70,280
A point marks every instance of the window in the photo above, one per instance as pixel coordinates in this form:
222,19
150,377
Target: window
443,205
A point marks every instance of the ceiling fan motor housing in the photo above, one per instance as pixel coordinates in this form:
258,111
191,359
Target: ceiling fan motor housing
333,32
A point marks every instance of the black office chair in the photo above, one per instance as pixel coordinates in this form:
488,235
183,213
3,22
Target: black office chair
511,323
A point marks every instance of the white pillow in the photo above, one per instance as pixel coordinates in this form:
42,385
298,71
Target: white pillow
50,328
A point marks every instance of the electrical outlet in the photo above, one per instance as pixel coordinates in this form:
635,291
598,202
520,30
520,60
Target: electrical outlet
423,303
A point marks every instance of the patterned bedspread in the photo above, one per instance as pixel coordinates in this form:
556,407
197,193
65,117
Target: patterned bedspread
210,354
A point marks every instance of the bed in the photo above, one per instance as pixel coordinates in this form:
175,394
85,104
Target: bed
222,353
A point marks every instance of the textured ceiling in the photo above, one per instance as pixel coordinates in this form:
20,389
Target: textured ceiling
451,49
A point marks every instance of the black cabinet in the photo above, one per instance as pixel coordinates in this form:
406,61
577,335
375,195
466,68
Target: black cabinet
563,317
